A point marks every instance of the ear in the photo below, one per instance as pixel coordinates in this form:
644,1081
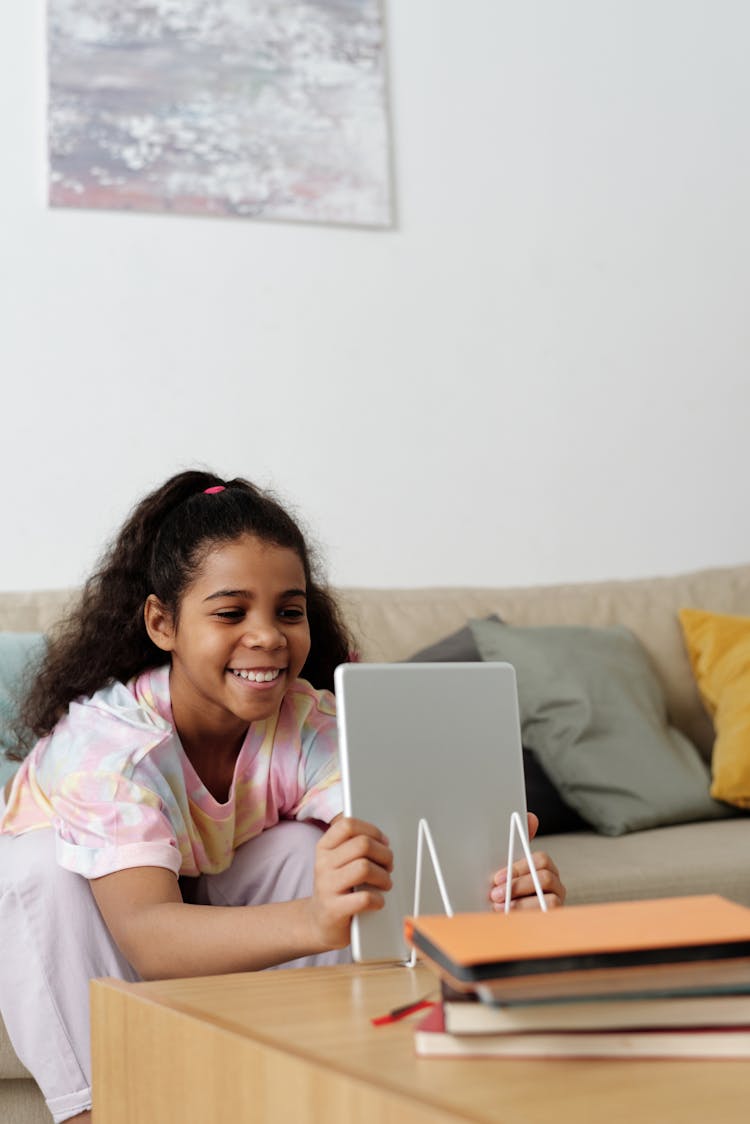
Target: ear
159,623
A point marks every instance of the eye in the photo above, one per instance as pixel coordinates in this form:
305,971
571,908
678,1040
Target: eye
230,614
292,613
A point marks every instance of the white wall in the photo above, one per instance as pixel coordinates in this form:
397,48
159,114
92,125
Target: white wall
541,374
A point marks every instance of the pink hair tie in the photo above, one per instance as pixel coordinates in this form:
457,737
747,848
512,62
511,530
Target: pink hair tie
212,491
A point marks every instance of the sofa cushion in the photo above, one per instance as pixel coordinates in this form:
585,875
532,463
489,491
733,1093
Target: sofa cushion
687,858
719,649
542,798
459,646
18,652
594,713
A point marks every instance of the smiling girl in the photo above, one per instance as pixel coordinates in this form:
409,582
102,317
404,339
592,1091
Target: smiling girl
173,817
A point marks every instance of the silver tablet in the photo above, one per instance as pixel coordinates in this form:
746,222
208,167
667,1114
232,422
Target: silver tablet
441,742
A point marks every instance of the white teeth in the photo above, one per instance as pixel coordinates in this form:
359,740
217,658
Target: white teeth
257,676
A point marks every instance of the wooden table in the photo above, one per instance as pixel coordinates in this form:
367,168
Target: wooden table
299,1046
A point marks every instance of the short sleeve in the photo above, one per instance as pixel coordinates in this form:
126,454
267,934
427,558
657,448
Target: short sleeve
319,777
105,822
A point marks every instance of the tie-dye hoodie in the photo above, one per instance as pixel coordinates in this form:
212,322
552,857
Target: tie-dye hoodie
114,782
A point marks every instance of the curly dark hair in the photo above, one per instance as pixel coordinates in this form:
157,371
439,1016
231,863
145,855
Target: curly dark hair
159,550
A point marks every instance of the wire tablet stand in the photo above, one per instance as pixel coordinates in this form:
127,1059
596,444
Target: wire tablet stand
425,835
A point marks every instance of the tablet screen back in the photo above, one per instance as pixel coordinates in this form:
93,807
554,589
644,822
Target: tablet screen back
439,742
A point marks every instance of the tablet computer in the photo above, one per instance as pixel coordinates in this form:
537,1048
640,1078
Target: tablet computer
434,741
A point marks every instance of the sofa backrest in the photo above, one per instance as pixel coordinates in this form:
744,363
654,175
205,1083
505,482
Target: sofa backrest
392,624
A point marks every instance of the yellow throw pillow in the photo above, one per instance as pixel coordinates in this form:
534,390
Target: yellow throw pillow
719,649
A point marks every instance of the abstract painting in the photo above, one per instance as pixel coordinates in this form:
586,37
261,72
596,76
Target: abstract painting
272,109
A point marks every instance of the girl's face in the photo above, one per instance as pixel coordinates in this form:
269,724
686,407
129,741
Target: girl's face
241,638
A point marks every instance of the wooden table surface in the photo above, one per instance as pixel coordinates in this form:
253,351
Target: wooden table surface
299,1045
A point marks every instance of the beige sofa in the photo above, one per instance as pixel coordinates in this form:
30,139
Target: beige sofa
708,857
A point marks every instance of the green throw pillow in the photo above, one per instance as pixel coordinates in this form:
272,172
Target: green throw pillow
19,651
594,714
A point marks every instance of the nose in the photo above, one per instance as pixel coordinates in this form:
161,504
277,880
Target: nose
264,633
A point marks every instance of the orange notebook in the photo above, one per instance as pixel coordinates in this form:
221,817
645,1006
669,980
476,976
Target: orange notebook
690,941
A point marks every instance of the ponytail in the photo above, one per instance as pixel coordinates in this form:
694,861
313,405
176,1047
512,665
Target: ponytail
159,550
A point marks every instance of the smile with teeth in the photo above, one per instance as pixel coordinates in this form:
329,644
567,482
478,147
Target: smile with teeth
260,676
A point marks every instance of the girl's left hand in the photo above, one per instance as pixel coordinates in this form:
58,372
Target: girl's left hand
523,894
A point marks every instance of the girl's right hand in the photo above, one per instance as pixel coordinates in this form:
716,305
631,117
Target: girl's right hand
352,873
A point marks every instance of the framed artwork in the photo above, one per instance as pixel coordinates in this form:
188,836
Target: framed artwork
270,109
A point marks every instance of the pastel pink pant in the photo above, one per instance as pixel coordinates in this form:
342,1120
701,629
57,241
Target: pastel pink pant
53,941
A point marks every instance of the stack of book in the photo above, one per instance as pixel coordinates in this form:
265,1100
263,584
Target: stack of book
668,977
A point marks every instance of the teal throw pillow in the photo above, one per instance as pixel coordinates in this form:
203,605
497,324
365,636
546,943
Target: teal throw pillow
19,653
594,713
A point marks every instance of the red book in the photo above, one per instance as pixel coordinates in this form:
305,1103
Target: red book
432,1040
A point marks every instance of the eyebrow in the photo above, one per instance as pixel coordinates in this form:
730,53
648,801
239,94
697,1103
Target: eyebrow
247,594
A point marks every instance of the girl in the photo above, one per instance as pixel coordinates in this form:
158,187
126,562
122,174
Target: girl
186,766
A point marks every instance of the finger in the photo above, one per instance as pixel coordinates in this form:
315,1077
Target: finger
533,824
523,885
363,901
547,878
357,874
347,906
360,846
542,861
345,827
552,901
